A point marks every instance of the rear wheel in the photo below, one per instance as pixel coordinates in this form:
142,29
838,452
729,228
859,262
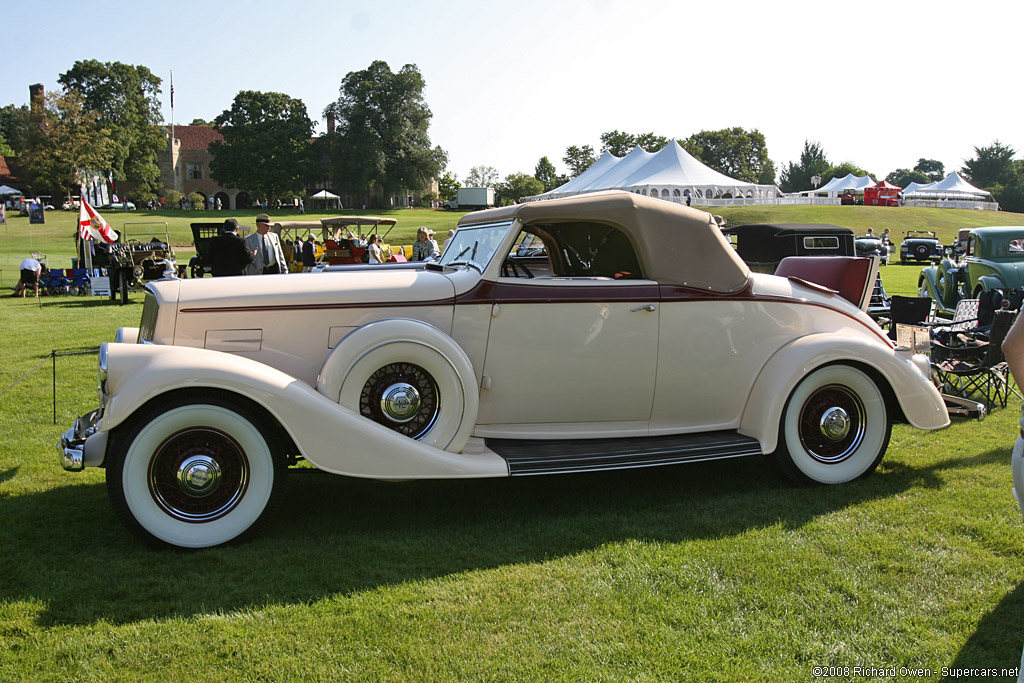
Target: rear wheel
835,427
194,473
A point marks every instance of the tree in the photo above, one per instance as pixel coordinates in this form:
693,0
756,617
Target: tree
481,176
904,176
931,169
517,185
842,170
448,186
5,149
991,167
734,152
547,175
266,145
64,138
620,144
796,177
126,99
578,159
14,128
381,137
201,122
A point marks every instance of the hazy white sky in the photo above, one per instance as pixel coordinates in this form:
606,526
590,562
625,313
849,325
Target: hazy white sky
878,84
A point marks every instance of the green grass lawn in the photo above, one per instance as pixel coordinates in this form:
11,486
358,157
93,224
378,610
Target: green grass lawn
717,571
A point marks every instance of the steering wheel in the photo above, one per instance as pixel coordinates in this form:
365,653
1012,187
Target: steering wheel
513,265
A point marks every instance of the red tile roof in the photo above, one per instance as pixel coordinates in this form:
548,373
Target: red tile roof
195,137
5,170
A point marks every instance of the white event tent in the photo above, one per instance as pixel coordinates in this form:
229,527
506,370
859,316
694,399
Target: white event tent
848,183
671,173
950,187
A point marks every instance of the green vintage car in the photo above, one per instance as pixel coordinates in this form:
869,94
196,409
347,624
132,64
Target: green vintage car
994,259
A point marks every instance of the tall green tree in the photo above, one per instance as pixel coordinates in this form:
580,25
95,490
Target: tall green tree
266,145
547,175
621,143
126,99
842,170
932,169
517,185
381,137
448,185
991,167
578,159
14,128
63,139
735,152
482,176
796,176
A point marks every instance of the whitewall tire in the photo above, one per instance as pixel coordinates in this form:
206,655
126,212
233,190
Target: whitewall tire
195,473
835,427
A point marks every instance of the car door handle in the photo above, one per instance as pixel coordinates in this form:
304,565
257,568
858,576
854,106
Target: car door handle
648,307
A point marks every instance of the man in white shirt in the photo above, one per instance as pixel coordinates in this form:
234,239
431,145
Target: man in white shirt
30,271
265,247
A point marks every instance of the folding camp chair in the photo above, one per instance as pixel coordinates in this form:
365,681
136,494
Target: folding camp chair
54,283
78,280
979,369
908,310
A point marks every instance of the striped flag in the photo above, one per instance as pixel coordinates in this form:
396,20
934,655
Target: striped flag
91,225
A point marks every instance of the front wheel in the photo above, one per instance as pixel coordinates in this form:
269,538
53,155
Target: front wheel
195,473
835,427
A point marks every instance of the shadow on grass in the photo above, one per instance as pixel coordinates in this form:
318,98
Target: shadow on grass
85,302
996,643
336,535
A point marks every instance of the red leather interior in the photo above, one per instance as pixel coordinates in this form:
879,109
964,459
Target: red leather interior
846,275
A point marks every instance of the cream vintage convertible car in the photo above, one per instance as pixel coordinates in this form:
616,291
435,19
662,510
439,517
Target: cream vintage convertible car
635,337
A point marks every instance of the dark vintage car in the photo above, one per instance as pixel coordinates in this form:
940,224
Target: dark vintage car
763,246
872,245
920,245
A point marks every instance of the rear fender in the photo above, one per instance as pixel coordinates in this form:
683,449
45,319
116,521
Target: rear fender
898,374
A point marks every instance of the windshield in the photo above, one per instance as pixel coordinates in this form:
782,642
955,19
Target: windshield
474,245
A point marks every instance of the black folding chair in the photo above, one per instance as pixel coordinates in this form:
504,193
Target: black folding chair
908,310
979,370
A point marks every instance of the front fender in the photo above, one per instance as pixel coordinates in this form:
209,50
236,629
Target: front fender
920,401
328,435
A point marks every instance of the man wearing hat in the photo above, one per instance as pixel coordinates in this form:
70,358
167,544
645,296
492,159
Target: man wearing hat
265,247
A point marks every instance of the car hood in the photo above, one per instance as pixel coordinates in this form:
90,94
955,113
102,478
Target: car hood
309,289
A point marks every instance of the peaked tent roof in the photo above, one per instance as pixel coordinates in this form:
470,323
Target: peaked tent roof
672,166
886,185
954,184
847,182
914,187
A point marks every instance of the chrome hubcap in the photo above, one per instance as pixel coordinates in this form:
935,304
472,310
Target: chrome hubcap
199,475
835,424
400,402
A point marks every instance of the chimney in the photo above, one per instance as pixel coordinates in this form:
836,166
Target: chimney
330,124
36,98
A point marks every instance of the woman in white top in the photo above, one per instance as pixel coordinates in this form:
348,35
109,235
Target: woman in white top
374,250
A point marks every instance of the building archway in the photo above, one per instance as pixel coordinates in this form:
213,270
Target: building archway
242,200
225,201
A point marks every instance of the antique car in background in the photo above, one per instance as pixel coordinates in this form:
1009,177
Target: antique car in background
643,341
763,246
872,245
993,259
920,245
333,233
141,254
202,232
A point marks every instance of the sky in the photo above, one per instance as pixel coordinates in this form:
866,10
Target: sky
880,85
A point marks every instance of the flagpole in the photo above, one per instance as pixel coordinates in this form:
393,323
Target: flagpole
172,120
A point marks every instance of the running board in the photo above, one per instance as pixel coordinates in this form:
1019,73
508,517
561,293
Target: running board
588,455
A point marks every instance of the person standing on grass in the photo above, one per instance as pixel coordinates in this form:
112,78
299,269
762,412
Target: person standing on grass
265,248
374,249
423,248
1013,349
228,253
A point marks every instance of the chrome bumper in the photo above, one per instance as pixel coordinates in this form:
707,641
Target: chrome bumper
964,407
72,444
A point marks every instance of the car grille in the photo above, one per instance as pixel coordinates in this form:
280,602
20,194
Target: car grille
147,326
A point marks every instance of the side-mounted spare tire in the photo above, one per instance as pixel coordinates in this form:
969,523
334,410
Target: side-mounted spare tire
408,376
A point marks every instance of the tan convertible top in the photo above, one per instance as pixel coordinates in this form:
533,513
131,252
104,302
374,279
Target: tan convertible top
677,245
